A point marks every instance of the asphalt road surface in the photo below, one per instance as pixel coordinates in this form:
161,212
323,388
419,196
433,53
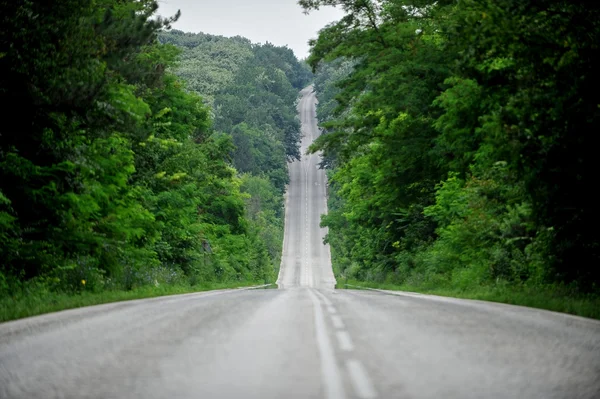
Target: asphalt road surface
306,262
304,340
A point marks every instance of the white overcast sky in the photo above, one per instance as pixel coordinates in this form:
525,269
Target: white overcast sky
280,22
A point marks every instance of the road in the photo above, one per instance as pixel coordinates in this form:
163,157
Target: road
304,340
306,261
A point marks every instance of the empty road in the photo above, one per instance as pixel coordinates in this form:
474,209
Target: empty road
303,340
306,262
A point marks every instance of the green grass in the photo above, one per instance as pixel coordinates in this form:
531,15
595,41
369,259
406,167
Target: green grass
38,302
549,298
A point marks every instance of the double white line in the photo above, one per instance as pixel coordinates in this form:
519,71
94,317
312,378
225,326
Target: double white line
331,375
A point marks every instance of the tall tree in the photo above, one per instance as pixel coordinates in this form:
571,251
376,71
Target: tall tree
493,98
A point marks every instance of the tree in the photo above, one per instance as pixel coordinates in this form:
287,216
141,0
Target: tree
461,137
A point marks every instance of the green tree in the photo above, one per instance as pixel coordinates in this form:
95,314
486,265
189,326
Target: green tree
493,99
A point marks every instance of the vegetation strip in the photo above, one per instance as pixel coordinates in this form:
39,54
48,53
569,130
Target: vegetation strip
578,306
35,304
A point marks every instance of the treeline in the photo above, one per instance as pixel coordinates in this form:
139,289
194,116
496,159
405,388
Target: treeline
460,138
112,174
252,89
255,100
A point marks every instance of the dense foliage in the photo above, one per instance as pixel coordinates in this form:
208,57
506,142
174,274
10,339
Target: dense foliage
254,102
114,176
460,140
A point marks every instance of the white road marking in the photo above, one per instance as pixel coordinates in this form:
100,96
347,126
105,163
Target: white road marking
337,322
331,310
360,380
330,374
344,341
325,300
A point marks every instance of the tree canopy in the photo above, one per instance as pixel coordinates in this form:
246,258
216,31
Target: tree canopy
121,174
459,137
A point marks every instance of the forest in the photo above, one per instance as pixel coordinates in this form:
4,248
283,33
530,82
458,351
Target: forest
136,158
459,144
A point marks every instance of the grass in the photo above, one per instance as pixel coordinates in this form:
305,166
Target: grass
39,302
548,298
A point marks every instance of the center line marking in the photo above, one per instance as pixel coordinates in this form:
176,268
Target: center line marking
330,374
337,322
360,380
345,341
325,300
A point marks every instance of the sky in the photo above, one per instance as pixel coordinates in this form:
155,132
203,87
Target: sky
280,22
